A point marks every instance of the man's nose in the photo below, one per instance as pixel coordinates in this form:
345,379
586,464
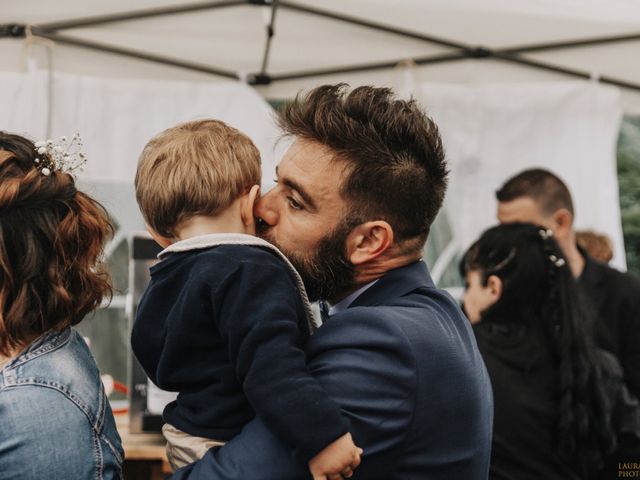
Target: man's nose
265,209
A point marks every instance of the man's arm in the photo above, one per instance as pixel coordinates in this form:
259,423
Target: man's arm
254,454
364,365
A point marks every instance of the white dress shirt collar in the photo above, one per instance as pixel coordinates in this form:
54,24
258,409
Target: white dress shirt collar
345,302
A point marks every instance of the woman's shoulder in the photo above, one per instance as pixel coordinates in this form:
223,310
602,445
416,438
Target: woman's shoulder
52,398
58,362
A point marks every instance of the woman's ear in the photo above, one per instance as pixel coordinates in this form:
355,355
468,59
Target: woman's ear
246,209
368,241
494,284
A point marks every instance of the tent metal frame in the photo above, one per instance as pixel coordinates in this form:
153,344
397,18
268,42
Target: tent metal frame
461,51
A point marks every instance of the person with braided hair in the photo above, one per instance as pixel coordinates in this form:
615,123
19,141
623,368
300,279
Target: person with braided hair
562,409
56,420
539,196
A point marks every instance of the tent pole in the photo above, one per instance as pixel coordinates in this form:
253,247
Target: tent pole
571,43
563,70
367,67
138,14
270,34
475,54
76,42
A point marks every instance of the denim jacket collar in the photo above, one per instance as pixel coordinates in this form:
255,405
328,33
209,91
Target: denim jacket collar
46,343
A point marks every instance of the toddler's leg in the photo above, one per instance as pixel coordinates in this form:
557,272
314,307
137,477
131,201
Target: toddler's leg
183,449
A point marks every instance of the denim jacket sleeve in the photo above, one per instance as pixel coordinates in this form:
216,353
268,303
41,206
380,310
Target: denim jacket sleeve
56,421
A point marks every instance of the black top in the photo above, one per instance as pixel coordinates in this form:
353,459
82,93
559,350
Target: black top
616,299
524,382
226,327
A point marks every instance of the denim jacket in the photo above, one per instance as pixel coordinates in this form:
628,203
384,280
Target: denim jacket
55,420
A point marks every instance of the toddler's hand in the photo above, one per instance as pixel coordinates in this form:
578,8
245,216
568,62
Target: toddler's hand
336,461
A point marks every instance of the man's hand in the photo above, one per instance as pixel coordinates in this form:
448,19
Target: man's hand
336,461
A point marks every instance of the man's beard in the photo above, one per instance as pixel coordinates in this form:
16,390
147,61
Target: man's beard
327,273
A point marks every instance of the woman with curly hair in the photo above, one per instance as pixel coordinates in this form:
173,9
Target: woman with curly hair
562,410
55,420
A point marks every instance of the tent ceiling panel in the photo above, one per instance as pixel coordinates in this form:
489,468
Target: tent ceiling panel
233,38
601,60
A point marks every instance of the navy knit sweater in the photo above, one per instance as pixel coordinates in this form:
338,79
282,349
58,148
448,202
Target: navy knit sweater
226,327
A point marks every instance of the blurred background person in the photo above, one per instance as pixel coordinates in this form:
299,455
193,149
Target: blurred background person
538,196
562,410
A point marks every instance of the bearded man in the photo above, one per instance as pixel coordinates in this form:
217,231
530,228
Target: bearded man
355,197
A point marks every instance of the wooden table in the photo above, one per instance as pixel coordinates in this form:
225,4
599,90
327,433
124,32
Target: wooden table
145,456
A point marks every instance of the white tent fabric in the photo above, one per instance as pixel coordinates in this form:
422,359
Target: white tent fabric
234,39
492,132
116,117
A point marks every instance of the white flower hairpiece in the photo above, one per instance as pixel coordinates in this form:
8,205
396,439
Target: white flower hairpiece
65,156
546,234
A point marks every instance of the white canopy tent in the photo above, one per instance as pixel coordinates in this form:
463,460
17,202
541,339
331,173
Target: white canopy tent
456,40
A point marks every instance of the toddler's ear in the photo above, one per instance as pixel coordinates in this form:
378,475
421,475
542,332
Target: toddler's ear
246,208
164,242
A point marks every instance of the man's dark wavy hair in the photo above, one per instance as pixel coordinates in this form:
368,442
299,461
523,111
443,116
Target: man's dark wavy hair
396,170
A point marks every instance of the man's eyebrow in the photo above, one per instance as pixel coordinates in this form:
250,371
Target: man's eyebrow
301,191
293,185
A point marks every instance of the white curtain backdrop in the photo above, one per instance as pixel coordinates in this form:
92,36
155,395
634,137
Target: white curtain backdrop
492,132
117,117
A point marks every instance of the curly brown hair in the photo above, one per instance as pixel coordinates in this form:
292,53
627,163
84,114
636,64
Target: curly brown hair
51,244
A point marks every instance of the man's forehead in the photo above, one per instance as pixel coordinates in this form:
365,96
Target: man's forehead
308,153
521,209
311,162
312,167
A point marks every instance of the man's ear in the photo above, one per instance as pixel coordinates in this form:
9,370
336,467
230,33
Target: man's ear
563,220
246,207
494,284
368,241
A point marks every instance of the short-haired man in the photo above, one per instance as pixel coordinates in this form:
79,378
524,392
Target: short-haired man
356,195
538,196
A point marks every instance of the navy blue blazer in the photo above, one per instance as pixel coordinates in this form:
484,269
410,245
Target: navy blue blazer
403,364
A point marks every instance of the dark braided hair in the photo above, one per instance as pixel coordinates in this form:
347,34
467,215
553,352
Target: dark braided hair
540,291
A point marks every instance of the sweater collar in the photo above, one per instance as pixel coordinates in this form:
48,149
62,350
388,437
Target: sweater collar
213,239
